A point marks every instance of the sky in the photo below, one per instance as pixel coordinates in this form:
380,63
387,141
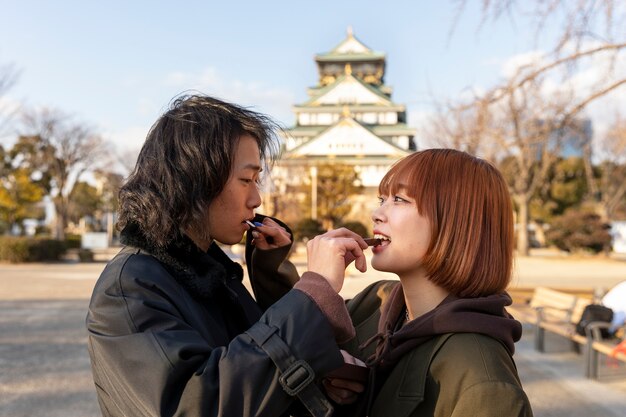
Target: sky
116,65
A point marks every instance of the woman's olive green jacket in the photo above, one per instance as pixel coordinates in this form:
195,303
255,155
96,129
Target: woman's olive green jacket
451,375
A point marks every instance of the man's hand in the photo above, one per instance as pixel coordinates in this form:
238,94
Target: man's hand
270,235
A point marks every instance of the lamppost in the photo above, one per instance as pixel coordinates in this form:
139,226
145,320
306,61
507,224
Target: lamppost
314,192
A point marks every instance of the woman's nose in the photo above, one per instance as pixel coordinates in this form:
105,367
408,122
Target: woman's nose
377,215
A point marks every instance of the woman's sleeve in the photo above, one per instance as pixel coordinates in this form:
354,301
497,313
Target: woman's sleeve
479,400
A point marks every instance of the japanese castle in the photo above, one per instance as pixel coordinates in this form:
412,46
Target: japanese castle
349,119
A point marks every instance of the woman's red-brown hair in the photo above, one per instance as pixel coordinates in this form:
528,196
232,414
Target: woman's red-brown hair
469,207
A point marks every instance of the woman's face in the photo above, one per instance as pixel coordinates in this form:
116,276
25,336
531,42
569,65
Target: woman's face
406,235
240,196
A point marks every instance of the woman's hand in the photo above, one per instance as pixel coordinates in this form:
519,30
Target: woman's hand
329,254
270,235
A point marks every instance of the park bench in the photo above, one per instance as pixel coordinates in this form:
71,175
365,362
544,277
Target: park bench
596,346
558,312
553,311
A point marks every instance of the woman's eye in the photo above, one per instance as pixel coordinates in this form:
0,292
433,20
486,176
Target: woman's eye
247,180
398,199
381,201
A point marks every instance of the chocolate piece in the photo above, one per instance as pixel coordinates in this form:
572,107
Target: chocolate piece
372,241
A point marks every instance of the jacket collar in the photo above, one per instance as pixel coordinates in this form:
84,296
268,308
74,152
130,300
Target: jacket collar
202,274
486,315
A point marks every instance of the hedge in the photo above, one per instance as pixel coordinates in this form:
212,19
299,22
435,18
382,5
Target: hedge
16,249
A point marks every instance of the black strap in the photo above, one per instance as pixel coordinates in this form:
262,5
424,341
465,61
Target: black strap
297,376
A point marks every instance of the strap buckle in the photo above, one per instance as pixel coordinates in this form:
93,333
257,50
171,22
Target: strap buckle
297,377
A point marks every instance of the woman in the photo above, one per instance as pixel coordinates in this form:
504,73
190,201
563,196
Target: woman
171,328
439,342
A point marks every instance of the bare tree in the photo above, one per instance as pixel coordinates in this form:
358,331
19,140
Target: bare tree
579,21
463,127
67,150
529,124
610,190
8,77
520,126
127,159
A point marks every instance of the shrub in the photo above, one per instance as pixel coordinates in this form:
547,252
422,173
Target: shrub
307,229
85,255
357,227
72,241
26,249
42,231
579,230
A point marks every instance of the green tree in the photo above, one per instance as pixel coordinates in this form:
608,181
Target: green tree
336,183
63,150
18,198
84,201
21,188
565,187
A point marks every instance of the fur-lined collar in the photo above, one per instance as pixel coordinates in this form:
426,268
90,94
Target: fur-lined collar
202,274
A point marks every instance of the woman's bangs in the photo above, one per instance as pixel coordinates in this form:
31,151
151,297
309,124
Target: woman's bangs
404,175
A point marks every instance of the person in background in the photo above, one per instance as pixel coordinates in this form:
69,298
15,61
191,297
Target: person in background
171,328
439,342
615,299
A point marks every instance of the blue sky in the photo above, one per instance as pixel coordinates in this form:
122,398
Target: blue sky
115,65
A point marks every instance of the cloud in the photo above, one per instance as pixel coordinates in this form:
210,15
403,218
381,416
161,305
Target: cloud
274,101
511,65
578,81
128,139
581,80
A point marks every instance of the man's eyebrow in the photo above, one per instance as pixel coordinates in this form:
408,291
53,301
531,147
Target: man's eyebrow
253,167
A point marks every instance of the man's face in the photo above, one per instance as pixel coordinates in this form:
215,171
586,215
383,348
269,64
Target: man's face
240,196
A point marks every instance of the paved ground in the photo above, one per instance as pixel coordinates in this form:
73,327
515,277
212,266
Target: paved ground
44,366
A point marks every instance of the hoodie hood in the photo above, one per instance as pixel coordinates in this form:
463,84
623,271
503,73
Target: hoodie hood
484,315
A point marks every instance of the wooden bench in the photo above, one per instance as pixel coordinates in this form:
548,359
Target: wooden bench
553,311
558,312
596,345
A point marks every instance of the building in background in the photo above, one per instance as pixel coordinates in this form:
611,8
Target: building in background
349,120
572,140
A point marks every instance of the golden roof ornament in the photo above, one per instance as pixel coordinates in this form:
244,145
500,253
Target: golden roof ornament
348,69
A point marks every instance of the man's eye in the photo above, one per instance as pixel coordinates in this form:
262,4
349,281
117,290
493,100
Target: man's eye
247,180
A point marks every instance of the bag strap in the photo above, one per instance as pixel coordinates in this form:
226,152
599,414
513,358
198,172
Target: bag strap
297,377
